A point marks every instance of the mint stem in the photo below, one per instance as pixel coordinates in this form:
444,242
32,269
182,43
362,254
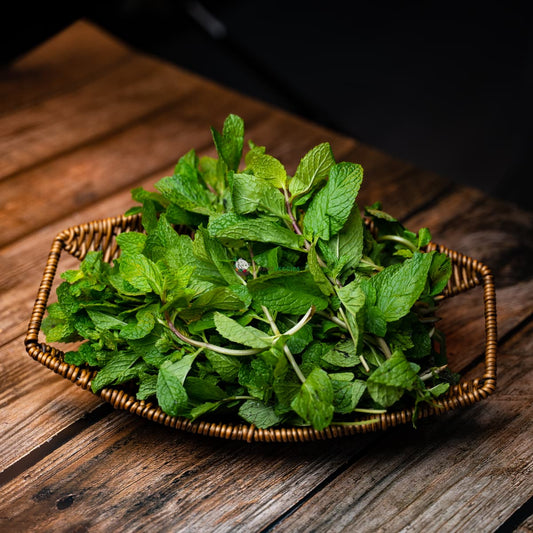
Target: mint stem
384,347
291,214
357,422
401,240
208,345
333,319
286,349
302,322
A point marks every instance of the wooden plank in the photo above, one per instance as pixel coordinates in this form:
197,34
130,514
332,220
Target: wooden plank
223,484
54,67
494,232
200,484
129,92
97,170
36,404
468,472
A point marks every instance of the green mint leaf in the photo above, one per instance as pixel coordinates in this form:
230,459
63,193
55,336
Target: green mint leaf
375,321
230,142
346,394
141,273
181,217
231,229
293,293
439,273
131,241
351,296
145,320
162,239
105,321
213,172
269,260
203,390
314,401
226,366
439,390
297,342
316,271
332,205
388,383
267,168
62,332
171,394
313,169
222,298
257,376
399,286
147,386
117,370
184,189
424,237
258,414
346,247
343,355
251,193
247,335
209,249
86,354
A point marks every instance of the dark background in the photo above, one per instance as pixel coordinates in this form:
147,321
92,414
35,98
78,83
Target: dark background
445,86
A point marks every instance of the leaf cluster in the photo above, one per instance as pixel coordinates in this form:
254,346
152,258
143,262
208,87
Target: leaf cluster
260,296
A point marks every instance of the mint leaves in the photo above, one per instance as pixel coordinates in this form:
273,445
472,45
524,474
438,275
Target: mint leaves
275,306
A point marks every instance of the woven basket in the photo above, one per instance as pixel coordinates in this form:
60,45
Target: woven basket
100,235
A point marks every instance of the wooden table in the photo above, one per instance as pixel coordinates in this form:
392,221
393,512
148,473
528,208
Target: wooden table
83,120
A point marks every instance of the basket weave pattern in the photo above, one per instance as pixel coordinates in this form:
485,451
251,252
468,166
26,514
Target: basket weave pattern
100,235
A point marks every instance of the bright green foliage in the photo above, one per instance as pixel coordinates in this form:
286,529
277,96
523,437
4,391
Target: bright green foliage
331,207
312,171
253,295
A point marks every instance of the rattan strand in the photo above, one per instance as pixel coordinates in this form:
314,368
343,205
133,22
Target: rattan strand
100,235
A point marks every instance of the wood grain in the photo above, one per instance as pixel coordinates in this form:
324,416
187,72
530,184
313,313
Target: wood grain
78,54
135,89
242,488
467,470
183,477
494,232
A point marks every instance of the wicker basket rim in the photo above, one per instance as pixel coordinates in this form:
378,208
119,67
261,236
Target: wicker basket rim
79,239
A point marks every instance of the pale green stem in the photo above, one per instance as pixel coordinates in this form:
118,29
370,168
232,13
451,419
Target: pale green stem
333,319
286,349
429,373
368,262
384,347
370,411
357,422
302,322
208,345
241,397
401,240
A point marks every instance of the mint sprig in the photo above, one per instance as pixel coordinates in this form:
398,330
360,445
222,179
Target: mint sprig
275,305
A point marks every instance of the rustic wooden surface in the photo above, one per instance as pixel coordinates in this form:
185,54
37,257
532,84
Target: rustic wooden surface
83,119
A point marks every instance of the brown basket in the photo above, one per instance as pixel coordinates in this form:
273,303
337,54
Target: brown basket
100,235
